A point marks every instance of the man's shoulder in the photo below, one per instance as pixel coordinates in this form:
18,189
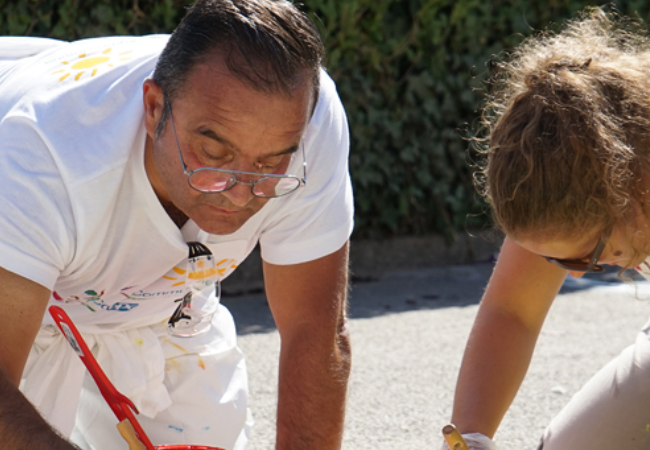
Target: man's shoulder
49,69
329,109
79,101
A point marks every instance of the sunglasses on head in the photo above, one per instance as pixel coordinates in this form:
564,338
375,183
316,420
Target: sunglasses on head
581,265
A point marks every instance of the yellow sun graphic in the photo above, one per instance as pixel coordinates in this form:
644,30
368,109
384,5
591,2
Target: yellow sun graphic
171,278
223,266
86,62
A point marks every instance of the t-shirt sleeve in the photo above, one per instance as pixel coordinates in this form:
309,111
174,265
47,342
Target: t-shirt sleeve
36,225
317,219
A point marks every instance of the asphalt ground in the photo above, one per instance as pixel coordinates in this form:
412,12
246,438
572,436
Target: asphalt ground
409,329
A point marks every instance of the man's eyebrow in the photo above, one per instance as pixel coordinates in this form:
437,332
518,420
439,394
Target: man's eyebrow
215,137
289,151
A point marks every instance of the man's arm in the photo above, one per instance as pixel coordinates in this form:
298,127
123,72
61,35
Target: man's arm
308,302
498,352
23,304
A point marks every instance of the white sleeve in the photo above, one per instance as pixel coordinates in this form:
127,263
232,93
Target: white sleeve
16,47
36,225
317,219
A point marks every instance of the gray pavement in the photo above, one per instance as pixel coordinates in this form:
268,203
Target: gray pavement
409,329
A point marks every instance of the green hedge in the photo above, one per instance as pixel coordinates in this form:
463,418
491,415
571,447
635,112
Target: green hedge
410,73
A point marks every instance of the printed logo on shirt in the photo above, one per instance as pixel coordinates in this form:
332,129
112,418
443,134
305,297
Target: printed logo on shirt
225,266
90,64
201,267
173,285
94,302
149,295
179,275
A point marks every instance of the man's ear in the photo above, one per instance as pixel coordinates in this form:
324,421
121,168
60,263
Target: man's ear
153,99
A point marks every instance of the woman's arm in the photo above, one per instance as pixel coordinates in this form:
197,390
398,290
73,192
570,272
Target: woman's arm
498,352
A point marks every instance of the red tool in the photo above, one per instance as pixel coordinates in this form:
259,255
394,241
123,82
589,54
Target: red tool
122,407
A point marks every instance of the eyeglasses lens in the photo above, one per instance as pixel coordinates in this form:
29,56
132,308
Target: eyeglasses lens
211,181
276,187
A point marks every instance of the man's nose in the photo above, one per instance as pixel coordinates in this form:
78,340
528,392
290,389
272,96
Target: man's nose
239,195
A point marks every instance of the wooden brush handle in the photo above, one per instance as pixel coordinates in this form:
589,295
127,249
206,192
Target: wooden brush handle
128,433
453,437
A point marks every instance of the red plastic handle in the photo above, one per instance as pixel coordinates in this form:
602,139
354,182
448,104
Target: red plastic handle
121,405
186,447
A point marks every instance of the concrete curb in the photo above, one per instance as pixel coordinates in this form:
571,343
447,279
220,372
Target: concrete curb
370,259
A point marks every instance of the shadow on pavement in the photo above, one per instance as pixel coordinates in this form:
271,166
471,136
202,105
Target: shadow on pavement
395,292
412,290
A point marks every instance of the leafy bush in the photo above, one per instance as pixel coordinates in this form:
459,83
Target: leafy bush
411,74
75,19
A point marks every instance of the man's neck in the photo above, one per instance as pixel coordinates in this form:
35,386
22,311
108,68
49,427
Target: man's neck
177,216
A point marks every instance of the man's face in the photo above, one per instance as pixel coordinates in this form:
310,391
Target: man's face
221,122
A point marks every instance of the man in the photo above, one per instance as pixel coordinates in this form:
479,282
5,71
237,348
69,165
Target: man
103,200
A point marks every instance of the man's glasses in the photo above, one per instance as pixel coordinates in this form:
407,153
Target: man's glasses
213,179
580,265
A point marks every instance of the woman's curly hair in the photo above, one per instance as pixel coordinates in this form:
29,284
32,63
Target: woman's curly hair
567,129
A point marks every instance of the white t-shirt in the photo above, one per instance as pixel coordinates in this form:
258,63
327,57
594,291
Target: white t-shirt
79,215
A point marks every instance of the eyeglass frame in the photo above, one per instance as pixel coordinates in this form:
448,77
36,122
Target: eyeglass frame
592,266
302,182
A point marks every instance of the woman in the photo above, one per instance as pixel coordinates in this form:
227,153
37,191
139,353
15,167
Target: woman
568,179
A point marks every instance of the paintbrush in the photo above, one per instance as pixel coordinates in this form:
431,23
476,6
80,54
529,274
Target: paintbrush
453,437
